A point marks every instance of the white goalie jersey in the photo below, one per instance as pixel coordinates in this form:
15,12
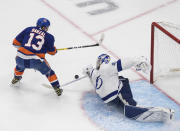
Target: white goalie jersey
106,82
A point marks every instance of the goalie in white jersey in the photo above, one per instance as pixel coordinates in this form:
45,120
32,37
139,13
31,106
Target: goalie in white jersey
115,89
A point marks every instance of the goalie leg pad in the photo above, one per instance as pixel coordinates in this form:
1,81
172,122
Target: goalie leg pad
125,93
150,114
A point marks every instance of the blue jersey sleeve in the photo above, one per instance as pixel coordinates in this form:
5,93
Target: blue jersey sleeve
119,66
51,49
50,43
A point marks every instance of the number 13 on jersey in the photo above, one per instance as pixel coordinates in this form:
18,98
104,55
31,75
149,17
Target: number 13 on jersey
39,43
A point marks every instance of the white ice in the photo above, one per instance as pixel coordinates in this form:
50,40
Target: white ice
127,33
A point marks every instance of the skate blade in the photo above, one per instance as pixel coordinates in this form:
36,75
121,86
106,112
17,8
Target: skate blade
15,85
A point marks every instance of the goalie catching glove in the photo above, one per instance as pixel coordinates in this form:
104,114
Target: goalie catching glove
143,64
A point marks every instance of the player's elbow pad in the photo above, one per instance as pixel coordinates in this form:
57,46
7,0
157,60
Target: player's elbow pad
52,52
16,43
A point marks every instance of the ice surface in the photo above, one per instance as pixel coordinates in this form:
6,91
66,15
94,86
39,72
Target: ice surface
127,33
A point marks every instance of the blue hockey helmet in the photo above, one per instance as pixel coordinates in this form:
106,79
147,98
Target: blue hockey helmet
43,23
103,58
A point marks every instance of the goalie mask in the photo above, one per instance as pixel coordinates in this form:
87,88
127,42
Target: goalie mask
103,58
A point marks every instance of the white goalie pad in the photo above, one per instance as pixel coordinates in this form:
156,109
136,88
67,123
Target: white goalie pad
156,114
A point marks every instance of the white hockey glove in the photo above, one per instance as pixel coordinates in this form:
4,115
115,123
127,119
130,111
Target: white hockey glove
87,69
143,65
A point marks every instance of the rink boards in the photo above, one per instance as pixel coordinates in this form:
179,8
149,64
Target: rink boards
112,119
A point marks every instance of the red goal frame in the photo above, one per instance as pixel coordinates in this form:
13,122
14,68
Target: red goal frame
153,26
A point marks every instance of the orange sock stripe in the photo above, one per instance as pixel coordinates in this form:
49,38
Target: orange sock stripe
17,43
17,73
52,78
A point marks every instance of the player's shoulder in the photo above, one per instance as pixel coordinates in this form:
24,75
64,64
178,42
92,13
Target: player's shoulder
29,28
49,37
26,29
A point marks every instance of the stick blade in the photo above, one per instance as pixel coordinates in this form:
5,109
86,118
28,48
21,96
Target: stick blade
101,39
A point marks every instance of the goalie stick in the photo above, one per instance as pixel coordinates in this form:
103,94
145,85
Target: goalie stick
85,46
65,84
174,69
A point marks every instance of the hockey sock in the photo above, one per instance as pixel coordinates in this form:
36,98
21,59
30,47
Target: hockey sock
51,76
18,72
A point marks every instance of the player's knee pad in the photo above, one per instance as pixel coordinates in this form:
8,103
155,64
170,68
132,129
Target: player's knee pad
19,69
20,63
50,73
44,68
44,71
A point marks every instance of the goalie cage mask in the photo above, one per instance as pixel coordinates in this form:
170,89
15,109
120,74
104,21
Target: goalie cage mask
103,58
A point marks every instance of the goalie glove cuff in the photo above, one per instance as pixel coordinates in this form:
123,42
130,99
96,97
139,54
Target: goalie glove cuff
143,64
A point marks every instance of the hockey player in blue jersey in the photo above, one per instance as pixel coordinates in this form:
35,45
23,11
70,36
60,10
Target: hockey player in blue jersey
32,44
113,88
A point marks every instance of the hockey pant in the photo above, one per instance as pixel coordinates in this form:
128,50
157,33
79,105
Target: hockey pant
37,64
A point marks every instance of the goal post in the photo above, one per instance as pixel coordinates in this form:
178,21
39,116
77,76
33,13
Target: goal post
165,49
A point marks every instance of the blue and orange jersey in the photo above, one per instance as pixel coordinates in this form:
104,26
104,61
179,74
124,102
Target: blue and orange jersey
34,41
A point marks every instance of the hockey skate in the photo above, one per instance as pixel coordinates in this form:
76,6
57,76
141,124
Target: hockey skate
166,114
16,81
171,112
58,90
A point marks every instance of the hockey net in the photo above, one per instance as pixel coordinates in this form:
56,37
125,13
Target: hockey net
165,49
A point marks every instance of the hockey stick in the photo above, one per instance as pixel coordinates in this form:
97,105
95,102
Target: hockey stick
85,46
174,69
65,84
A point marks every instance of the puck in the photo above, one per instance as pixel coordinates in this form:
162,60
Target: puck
76,76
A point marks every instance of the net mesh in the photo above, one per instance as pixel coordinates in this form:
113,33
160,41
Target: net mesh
166,50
